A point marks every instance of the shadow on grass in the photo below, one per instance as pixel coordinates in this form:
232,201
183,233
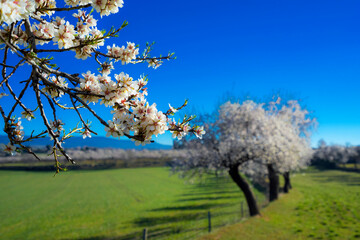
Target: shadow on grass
157,221
158,233
206,198
201,193
154,221
209,188
206,206
356,170
198,212
351,180
155,233
212,186
224,183
215,194
188,215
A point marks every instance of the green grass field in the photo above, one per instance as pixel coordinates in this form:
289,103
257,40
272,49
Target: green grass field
120,203
116,203
322,205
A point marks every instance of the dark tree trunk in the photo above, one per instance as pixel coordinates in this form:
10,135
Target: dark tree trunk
274,183
287,184
245,188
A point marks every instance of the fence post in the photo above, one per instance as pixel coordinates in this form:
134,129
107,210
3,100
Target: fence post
242,209
209,220
145,234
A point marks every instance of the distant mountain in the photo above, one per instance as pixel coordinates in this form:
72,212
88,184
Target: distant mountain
98,142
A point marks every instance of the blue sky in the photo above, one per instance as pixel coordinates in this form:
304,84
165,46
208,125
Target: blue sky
310,49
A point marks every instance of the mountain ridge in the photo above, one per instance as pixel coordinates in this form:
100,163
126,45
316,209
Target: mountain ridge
98,142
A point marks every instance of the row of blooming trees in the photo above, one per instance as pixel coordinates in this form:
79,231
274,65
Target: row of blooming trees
33,34
332,155
256,138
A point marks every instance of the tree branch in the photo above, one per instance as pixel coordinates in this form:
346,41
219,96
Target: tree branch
65,9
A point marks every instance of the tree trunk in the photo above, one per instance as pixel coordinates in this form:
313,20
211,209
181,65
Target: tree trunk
245,188
290,186
274,183
287,184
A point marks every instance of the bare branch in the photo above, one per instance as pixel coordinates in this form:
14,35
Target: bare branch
168,57
81,119
12,72
46,123
65,9
4,65
17,99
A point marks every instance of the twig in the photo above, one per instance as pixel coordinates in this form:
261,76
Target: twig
4,65
81,119
65,9
17,99
12,72
50,131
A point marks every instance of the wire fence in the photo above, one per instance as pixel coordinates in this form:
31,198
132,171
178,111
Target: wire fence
194,225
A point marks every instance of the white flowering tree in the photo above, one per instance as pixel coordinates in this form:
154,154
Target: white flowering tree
282,148
33,33
257,139
291,131
234,137
332,155
286,152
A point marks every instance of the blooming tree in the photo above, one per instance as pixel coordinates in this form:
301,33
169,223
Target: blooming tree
331,155
290,138
284,147
258,139
33,32
233,137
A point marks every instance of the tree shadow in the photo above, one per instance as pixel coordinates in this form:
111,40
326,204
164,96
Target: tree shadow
159,232
191,199
189,212
154,233
155,221
356,170
215,192
158,221
350,180
206,206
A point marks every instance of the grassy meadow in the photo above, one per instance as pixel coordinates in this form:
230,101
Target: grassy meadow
115,203
322,205
120,203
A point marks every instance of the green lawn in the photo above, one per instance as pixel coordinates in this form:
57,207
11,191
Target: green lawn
322,205
116,203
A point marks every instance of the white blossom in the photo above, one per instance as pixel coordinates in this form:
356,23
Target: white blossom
9,148
57,125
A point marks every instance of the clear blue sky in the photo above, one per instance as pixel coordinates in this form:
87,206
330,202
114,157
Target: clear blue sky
308,48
